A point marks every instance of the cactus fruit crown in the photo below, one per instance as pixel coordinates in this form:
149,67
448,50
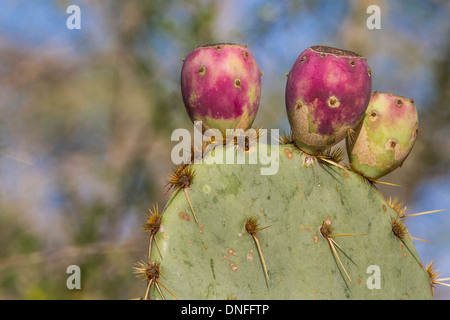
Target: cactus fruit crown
218,45
335,51
317,229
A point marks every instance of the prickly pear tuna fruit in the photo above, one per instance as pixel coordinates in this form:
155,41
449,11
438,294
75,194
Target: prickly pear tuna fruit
306,232
221,86
385,137
327,93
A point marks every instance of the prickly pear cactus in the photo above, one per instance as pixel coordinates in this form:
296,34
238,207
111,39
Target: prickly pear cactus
308,228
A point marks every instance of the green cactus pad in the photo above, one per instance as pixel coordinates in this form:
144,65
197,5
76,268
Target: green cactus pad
218,259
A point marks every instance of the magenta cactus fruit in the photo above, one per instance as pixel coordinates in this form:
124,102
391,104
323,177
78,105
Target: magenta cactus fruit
221,86
385,137
327,93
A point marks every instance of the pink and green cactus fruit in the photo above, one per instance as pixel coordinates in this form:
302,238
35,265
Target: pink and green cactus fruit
385,137
221,86
327,93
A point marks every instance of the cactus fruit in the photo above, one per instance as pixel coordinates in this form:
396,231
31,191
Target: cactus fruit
221,86
385,136
314,229
327,93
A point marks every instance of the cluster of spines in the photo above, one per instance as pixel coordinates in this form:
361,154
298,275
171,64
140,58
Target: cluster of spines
325,231
148,270
250,135
434,277
332,155
400,231
252,227
151,272
181,179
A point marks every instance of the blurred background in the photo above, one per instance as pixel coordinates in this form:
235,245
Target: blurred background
86,117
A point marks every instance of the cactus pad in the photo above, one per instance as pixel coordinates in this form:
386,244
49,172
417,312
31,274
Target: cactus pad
317,231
